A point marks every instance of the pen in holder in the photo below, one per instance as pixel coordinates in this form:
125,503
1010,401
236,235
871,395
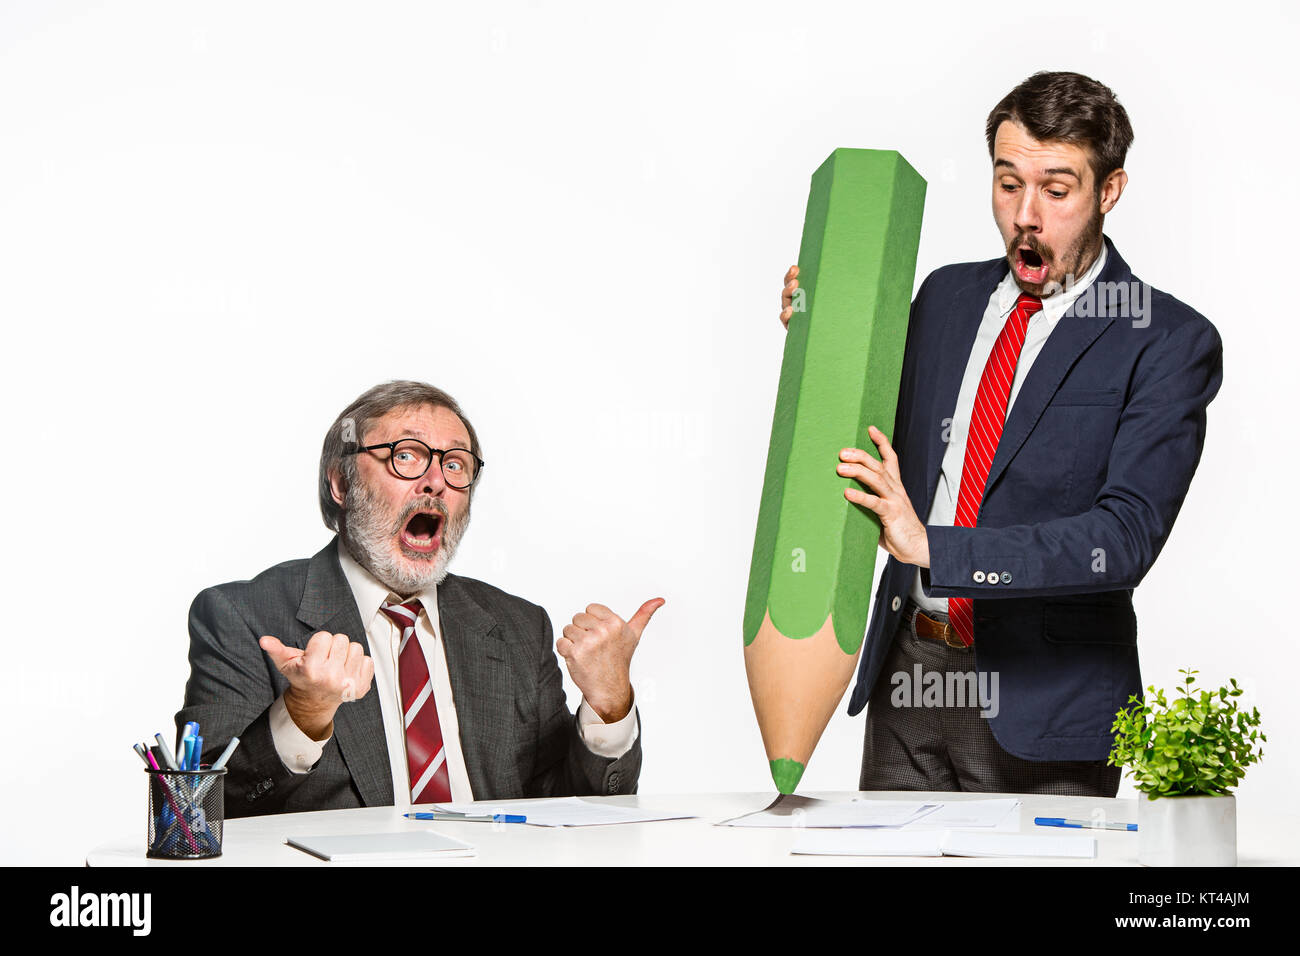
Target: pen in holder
187,811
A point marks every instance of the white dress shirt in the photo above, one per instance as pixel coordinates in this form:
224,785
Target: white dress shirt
1041,324
299,752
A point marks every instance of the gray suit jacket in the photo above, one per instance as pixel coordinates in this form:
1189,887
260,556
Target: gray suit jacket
516,732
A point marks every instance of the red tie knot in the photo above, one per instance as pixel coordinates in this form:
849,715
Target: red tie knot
1029,304
403,615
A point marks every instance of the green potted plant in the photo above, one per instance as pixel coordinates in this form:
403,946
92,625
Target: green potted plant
1185,756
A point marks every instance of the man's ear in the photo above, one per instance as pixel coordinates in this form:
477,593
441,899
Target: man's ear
338,487
1111,188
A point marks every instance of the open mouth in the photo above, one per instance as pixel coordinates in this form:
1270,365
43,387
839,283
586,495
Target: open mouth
423,532
1030,266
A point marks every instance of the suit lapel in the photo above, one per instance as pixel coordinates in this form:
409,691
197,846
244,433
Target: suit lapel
965,312
478,664
1068,340
328,605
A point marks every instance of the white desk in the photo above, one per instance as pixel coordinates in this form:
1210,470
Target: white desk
259,841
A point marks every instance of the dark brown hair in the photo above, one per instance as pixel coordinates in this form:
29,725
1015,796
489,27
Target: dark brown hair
1071,108
350,428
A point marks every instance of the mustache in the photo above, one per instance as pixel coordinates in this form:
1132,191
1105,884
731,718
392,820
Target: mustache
1030,240
427,504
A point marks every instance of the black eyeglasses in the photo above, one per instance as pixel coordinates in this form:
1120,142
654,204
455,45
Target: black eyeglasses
411,458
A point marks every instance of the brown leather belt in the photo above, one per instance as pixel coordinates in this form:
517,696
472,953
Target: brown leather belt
934,630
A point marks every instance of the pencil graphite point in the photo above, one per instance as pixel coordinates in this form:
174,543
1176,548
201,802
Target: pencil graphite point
786,774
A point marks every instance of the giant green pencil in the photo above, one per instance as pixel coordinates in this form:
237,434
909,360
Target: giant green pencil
814,551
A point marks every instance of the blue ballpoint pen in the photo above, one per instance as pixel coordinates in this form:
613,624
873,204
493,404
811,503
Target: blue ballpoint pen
469,818
1082,824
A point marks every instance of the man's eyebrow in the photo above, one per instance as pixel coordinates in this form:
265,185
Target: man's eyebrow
1052,171
455,442
424,436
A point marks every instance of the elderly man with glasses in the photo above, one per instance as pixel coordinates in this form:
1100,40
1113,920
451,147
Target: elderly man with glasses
467,701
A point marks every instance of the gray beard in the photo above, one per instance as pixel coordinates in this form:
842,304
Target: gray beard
369,537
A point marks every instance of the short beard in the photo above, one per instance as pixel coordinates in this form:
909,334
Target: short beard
369,538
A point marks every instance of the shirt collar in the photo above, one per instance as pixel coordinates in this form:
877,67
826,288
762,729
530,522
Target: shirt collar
1054,306
369,593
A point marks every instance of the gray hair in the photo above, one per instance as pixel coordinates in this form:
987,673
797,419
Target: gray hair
350,428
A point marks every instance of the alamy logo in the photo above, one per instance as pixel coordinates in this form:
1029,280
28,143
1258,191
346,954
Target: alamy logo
950,689
1120,300
102,909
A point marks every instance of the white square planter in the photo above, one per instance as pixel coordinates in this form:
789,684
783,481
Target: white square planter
1187,831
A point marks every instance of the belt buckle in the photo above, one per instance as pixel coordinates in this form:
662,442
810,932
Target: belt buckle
952,638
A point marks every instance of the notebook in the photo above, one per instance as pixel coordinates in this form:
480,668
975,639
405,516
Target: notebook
376,847
942,843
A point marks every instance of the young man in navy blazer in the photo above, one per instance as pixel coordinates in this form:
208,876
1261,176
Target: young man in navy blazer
1051,414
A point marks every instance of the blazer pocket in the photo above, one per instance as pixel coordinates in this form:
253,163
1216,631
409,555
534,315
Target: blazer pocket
1100,623
1086,396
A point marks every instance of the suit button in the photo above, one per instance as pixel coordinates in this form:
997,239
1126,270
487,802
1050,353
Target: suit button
896,603
613,780
1006,577
978,577
993,577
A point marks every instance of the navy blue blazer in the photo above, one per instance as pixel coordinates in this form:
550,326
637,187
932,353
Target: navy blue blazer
1095,459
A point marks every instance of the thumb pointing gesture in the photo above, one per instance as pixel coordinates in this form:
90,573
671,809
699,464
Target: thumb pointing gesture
637,622
598,648
279,654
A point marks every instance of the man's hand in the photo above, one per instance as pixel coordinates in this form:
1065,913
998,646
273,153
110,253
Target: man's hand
328,672
787,295
597,647
903,534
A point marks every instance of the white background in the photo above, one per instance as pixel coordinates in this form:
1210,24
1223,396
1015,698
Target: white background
219,224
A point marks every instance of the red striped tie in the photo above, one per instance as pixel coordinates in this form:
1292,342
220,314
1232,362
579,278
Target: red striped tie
986,421
426,761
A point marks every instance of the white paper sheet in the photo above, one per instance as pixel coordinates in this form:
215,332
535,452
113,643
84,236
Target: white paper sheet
565,812
870,843
374,847
996,814
942,843
973,843
795,811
